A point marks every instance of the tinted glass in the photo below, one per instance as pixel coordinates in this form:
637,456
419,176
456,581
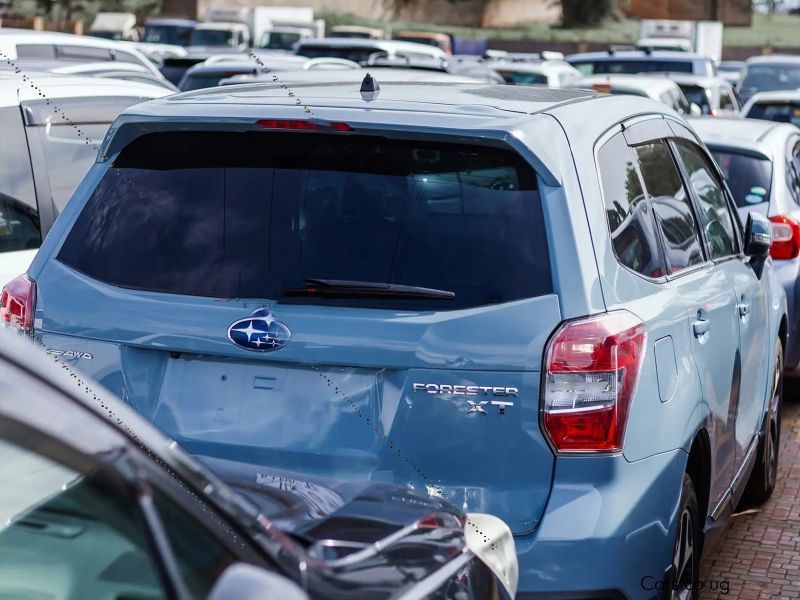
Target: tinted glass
280,40
167,34
199,81
772,76
65,535
780,112
697,95
354,54
793,173
200,556
671,205
252,215
68,156
749,178
632,66
715,215
518,78
212,37
630,218
19,217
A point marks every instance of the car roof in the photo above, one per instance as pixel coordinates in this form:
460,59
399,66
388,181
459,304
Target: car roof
538,66
644,83
169,21
389,45
690,79
9,35
245,64
775,96
13,89
661,55
382,74
745,134
773,58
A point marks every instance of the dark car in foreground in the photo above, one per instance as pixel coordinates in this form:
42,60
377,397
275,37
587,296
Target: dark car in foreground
95,503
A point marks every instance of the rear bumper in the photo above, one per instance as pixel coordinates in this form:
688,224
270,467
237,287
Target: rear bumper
608,529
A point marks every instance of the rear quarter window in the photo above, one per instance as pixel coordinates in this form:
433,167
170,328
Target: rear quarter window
256,214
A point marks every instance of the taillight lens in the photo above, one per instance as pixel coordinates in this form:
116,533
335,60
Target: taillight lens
303,125
591,368
785,237
18,303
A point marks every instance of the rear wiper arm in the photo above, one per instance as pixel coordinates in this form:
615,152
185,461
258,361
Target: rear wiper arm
339,288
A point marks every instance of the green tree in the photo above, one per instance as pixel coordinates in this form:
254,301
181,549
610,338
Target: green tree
587,13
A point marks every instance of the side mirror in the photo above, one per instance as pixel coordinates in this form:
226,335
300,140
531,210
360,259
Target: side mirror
246,582
757,240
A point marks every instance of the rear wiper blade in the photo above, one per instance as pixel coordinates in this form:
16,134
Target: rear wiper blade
340,288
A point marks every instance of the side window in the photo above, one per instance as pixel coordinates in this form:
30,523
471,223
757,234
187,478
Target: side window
65,535
671,204
715,214
630,220
200,556
725,100
19,216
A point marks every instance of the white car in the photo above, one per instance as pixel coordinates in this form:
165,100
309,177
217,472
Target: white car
713,96
552,73
782,107
48,144
361,50
663,90
26,44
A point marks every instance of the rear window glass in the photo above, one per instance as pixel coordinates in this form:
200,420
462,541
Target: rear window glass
696,94
632,66
780,112
749,178
356,54
770,76
256,214
521,78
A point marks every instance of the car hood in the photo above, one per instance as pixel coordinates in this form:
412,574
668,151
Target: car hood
313,509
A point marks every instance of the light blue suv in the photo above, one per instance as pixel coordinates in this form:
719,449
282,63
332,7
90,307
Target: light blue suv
533,303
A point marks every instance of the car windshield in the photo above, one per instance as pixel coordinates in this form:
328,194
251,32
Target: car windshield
632,67
68,156
280,40
772,76
780,112
212,37
256,214
165,34
749,177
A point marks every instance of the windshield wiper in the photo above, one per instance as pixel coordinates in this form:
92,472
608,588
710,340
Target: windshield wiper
339,288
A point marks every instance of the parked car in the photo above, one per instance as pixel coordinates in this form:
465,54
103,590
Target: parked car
27,44
176,32
552,73
713,96
48,145
112,70
357,31
352,76
640,61
663,90
210,72
781,107
315,285
775,72
361,50
98,504
437,39
731,70
761,164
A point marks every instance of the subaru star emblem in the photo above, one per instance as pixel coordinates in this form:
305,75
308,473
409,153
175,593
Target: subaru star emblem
260,332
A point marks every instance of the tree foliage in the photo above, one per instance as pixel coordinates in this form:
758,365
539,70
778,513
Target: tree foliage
587,13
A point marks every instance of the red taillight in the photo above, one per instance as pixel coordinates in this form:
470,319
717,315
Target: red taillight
437,520
301,125
18,303
785,237
591,368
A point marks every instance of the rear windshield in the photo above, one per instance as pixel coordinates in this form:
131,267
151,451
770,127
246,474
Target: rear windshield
632,66
254,214
522,78
749,178
770,76
696,94
781,112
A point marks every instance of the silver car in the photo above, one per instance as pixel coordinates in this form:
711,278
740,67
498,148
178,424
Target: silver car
761,163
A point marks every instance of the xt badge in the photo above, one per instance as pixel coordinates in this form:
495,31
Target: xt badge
477,407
